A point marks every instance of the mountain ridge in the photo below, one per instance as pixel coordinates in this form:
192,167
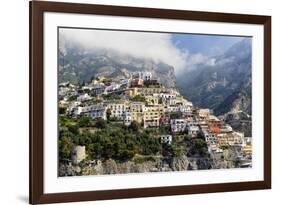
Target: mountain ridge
220,86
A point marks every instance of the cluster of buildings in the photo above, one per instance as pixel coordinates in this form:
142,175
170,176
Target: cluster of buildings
143,99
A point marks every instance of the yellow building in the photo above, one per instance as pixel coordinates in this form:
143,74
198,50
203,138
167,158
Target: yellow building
117,109
247,149
231,139
152,115
137,110
151,100
132,92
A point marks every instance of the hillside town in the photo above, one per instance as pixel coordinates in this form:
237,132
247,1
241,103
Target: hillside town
143,99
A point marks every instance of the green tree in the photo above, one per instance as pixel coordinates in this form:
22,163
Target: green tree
84,121
73,128
73,97
65,147
176,152
108,114
108,151
62,110
134,126
126,155
101,123
199,147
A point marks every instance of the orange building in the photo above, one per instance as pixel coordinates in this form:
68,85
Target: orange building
215,129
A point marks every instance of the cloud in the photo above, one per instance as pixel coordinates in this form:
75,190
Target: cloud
198,59
155,46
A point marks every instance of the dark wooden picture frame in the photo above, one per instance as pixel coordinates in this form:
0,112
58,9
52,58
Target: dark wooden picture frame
37,9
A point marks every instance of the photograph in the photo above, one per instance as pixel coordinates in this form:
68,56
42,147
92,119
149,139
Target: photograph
129,102
141,101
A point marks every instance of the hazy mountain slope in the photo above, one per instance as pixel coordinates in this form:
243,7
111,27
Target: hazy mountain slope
224,86
77,65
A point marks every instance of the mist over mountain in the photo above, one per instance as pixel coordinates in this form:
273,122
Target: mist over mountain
78,64
225,85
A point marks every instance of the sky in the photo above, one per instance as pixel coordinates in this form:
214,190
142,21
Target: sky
182,51
210,45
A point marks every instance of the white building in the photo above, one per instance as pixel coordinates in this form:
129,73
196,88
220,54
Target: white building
78,110
172,108
203,113
185,109
187,103
97,111
167,98
143,75
84,97
111,88
63,102
72,107
226,128
178,125
127,118
213,118
63,90
211,141
193,130
98,89
124,82
117,109
86,87
209,137
166,139
93,111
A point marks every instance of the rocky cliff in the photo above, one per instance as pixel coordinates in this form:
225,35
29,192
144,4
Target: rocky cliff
110,166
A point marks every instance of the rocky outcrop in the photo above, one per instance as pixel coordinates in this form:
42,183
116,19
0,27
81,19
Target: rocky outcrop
110,166
68,169
78,153
179,163
227,159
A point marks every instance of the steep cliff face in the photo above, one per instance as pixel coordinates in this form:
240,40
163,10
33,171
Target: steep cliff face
77,65
239,100
110,166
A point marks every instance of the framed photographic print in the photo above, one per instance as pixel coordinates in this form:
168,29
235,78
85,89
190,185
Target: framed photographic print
139,102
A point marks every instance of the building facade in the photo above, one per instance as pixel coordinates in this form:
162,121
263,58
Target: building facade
178,125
